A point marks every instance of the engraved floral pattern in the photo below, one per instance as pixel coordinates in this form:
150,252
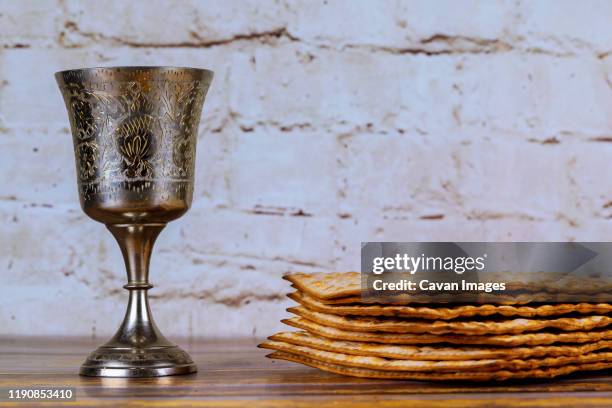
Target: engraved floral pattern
87,157
135,132
135,140
84,121
183,157
171,354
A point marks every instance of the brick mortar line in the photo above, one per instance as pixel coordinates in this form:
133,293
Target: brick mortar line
455,44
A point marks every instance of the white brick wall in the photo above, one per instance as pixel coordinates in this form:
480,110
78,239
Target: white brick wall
393,120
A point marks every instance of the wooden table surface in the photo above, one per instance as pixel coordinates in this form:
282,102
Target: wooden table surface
236,374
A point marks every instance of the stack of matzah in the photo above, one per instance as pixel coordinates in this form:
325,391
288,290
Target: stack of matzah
343,335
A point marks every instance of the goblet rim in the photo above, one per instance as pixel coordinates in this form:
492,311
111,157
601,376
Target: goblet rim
203,73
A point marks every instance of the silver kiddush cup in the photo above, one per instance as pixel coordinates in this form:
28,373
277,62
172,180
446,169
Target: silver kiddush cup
134,131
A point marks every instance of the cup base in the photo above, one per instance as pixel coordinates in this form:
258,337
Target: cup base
137,362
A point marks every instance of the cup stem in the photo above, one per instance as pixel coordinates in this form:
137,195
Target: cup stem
136,242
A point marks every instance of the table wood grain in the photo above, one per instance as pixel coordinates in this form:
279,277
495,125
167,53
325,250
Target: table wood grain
234,373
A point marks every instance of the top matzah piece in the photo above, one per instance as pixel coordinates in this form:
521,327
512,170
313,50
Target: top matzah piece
327,285
335,285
